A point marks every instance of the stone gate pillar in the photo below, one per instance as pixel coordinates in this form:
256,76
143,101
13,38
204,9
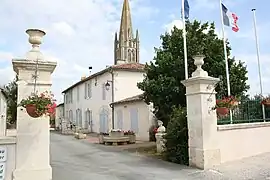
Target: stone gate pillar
202,120
33,136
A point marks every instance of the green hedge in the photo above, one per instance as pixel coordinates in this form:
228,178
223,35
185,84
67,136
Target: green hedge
177,138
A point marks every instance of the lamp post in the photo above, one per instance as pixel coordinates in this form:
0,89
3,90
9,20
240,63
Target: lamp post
107,86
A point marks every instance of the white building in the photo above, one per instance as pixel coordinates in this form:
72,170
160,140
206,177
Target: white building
59,116
134,114
87,103
3,112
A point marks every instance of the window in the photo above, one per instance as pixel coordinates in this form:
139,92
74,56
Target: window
88,119
89,93
134,120
119,115
71,96
103,91
85,91
71,116
79,118
78,93
65,98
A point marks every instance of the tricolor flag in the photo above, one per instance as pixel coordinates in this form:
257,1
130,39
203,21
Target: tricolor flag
186,9
229,19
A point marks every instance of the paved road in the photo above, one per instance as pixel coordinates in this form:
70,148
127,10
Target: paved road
80,160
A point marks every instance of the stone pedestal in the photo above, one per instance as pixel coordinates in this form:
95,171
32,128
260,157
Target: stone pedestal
33,134
160,140
202,120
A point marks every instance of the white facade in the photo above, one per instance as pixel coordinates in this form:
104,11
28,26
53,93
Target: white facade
88,103
136,116
3,114
59,116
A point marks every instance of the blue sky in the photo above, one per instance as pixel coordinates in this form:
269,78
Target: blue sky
80,33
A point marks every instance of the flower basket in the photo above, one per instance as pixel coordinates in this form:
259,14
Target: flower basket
38,105
31,110
222,111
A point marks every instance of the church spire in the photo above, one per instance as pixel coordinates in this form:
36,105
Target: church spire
126,46
126,24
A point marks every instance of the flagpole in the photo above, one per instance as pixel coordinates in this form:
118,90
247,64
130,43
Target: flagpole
226,57
185,39
258,57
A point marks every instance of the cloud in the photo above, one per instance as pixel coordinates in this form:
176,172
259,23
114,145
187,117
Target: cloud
253,72
177,23
63,28
79,34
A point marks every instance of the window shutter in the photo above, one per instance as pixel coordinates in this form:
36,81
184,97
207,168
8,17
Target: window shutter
90,89
85,90
134,120
103,92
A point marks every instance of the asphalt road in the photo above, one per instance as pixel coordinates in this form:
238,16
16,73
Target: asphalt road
78,159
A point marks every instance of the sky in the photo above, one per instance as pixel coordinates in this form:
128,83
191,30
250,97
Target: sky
80,33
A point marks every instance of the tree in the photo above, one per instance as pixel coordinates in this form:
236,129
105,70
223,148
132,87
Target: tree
162,83
11,91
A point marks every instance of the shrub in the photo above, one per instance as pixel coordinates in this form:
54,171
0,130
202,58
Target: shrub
177,138
152,133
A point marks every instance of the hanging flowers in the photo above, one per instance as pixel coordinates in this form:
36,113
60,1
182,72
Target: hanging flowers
38,105
225,104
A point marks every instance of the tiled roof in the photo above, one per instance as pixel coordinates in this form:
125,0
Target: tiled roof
129,99
125,67
130,66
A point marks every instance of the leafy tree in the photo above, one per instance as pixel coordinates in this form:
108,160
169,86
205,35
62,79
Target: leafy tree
162,83
11,90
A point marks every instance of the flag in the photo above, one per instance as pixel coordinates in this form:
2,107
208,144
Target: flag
186,9
229,19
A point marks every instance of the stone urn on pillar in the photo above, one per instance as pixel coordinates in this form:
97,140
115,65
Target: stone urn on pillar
160,140
35,39
203,144
33,133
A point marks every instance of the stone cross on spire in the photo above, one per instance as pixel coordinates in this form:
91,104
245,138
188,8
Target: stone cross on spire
126,47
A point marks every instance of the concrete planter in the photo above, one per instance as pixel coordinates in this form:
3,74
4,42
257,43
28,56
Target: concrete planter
132,139
116,133
101,139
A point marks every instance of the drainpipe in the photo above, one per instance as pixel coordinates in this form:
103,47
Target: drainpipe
112,106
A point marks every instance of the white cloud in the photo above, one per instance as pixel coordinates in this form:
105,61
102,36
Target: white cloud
79,34
177,23
63,28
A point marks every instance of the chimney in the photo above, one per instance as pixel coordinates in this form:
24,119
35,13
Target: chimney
83,77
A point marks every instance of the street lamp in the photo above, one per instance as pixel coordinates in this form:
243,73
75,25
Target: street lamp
107,85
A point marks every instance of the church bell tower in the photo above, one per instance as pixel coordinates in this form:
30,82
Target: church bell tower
126,47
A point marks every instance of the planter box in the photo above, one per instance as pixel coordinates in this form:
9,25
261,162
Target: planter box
116,134
132,139
101,139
